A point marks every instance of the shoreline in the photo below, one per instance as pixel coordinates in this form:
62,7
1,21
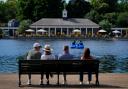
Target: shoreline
67,38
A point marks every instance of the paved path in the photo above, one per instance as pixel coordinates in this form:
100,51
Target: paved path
107,81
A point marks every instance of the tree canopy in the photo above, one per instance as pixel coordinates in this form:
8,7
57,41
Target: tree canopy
37,9
113,11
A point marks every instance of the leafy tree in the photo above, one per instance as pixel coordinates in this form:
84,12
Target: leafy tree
122,19
105,24
37,9
123,6
2,12
104,6
7,11
78,8
24,25
11,9
93,15
112,18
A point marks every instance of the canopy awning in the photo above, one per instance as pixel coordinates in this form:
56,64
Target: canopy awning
41,30
77,30
29,30
102,31
116,31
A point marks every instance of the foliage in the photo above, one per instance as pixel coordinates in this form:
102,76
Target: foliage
2,12
123,6
24,25
104,6
1,31
37,9
7,10
105,24
113,11
78,8
111,17
122,19
93,15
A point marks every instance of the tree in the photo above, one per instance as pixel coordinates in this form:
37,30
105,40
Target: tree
78,8
24,25
112,18
11,9
7,11
105,24
93,15
122,19
2,12
123,6
104,6
37,9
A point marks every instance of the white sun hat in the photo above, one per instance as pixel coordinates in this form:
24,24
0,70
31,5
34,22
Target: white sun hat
47,48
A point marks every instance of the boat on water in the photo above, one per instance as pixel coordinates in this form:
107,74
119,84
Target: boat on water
77,45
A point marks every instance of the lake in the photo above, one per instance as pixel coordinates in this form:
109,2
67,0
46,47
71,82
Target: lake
113,54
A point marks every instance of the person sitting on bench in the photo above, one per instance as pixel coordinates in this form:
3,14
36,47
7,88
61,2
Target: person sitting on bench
34,54
86,56
47,55
65,56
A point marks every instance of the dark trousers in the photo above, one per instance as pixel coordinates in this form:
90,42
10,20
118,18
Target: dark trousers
89,76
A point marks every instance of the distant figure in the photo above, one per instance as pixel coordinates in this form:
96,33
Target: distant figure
34,54
47,55
86,56
80,42
74,42
65,56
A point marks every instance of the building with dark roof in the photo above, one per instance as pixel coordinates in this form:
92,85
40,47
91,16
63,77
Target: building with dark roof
66,25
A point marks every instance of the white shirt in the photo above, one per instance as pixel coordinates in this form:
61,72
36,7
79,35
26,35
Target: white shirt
47,57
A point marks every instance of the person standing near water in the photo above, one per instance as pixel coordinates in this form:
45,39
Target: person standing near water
34,54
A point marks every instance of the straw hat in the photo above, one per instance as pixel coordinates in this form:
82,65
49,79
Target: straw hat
47,48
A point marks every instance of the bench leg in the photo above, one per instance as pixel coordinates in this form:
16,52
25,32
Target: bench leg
58,78
97,79
19,80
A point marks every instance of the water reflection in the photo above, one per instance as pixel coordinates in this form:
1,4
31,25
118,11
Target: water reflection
123,65
108,63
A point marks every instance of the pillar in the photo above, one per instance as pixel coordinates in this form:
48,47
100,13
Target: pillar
61,31
49,33
92,32
55,32
67,32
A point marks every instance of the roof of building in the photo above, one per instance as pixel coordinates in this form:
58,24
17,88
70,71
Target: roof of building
64,22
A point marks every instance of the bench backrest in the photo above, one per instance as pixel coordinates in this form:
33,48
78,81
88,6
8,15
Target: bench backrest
38,66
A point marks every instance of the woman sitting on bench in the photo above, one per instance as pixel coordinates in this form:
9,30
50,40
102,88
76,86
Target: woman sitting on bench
86,56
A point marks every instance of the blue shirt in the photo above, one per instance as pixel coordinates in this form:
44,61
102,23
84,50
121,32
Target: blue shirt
65,56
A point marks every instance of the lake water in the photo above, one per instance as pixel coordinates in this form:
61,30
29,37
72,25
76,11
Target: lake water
112,54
